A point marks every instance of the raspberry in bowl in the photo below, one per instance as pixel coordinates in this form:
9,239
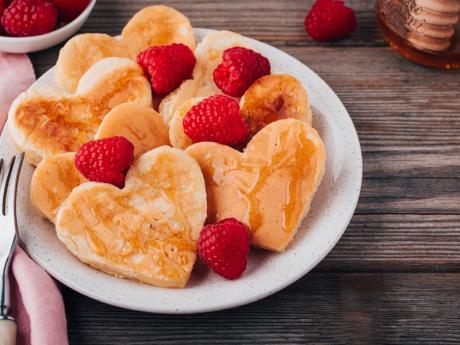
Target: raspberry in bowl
43,24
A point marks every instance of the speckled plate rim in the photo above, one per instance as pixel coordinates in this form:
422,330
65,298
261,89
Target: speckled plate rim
267,273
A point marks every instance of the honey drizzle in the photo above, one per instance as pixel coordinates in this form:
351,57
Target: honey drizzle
171,193
281,160
302,156
69,177
296,162
140,241
58,111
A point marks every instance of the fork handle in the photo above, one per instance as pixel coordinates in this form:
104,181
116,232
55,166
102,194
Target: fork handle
7,332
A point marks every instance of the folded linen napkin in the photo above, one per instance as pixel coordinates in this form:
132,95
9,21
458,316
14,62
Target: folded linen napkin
37,303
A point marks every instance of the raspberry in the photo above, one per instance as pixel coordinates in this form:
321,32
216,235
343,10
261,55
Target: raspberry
2,9
224,247
167,66
105,160
240,67
29,17
3,5
329,20
70,9
216,118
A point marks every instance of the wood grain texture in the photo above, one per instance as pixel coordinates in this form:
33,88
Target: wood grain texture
280,23
321,308
397,242
382,284
270,20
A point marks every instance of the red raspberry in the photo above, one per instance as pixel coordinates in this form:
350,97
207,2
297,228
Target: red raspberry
3,5
105,160
70,9
224,247
240,67
329,20
167,66
29,17
216,118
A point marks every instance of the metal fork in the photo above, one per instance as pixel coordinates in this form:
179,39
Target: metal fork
8,240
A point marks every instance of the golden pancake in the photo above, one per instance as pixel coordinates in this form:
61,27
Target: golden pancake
80,53
56,176
157,26
141,125
208,55
177,136
270,186
151,26
53,180
274,97
146,231
43,122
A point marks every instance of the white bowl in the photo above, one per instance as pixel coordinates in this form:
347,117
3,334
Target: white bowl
40,42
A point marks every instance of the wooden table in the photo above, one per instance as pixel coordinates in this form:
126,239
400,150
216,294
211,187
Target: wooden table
394,277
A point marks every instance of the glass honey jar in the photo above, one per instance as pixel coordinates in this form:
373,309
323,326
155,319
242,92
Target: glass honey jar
424,31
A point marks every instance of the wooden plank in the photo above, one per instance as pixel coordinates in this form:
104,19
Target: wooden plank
321,308
410,195
397,242
430,162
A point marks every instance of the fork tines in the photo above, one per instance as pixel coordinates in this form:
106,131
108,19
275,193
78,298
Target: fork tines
10,179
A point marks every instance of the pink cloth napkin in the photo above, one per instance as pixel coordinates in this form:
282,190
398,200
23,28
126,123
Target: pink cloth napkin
37,302
16,75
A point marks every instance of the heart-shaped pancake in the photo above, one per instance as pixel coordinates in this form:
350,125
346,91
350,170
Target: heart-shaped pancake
43,122
56,176
151,26
208,55
146,231
270,186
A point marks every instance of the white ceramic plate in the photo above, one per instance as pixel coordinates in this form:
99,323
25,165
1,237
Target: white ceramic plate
267,273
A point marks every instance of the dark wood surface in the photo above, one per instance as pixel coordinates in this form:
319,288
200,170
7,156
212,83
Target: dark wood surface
394,277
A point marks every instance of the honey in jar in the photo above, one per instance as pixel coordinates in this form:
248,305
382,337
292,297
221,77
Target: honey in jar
424,31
